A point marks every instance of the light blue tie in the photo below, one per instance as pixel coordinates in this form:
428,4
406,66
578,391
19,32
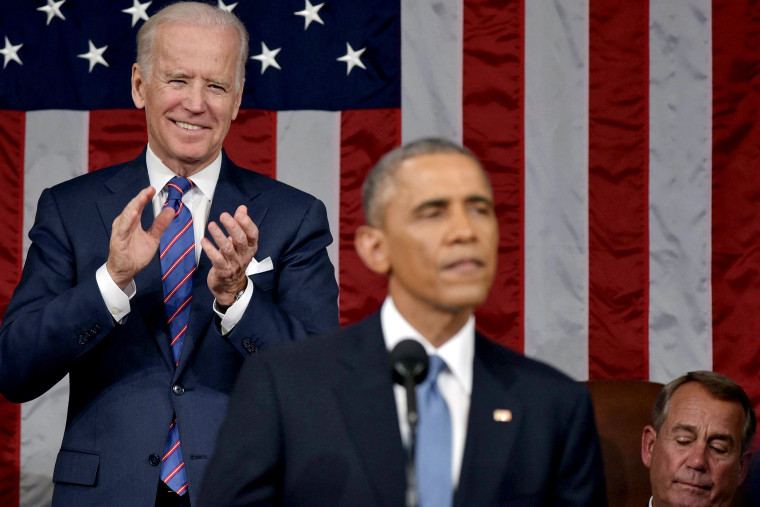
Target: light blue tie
177,255
433,441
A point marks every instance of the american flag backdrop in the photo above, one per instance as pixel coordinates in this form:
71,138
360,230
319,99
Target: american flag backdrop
622,138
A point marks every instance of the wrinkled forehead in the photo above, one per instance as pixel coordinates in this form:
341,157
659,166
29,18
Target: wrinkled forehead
692,406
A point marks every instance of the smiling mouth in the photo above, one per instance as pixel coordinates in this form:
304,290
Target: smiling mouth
187,126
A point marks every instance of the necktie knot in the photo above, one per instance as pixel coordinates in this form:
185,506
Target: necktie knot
177,187
435,366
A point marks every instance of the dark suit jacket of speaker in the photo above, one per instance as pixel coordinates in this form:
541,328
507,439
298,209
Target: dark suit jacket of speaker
123,383
315,423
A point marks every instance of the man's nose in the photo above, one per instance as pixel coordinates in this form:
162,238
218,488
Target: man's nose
697,458
461,227
194,99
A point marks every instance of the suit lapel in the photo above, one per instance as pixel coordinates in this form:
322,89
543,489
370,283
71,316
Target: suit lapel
120,189
365,397
489,442
231,191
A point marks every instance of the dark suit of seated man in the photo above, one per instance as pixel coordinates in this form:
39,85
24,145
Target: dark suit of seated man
321,423
153,342
697,447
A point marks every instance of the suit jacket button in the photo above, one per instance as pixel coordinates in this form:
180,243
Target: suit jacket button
178,389
250,346
154,459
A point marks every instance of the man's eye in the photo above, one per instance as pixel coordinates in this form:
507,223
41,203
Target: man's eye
431,212
719,449
481,209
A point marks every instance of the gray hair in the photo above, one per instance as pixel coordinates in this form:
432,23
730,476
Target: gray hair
194,14
720,387
381,175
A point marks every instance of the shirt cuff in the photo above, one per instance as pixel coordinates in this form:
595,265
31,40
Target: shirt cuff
235,312
116,300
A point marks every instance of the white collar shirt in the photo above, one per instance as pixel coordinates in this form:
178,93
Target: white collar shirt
198,199
454,382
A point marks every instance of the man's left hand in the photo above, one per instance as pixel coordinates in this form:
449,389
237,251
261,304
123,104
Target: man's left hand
231,255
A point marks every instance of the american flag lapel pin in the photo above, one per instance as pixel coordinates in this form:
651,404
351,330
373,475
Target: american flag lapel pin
502,415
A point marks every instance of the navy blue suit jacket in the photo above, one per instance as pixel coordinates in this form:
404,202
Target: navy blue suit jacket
315,423
123,385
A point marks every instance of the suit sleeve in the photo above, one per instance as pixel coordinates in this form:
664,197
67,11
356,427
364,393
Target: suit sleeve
580,476
246,467
303,299
56,313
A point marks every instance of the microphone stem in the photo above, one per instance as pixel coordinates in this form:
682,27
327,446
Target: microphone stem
412,417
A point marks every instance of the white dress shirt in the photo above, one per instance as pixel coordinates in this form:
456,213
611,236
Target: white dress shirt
454,382
198,201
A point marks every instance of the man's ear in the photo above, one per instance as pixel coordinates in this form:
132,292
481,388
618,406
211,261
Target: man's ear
647,443
370,244
746,459
238,100
137,86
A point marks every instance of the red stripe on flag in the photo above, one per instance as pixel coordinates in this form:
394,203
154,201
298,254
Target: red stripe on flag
618,189
492,116
735,191
116,136
12,127
366,135
252,141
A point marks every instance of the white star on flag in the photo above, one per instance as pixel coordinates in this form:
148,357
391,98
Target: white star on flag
52,9
10,52
310,13
352,58
227,8
94,55
267,58
138,11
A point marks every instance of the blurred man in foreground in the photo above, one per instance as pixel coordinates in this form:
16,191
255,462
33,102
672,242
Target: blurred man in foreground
321,424
697,447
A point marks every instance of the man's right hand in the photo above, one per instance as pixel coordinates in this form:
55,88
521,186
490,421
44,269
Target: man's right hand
131,247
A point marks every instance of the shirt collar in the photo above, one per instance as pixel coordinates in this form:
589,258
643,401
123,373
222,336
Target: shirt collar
205,179
458,351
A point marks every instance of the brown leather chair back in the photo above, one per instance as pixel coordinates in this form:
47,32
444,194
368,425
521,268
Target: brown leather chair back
622,408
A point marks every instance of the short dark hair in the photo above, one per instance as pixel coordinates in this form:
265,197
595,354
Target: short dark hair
720,387
381,175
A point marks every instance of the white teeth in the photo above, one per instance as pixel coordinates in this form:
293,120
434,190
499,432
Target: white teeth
187,126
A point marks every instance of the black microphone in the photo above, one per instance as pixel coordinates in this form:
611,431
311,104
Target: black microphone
409,367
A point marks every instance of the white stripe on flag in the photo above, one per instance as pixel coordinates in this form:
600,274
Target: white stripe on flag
680,179
308,158
556,184
55,150
431,69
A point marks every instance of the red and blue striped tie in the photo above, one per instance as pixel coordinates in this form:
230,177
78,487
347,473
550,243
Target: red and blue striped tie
177,253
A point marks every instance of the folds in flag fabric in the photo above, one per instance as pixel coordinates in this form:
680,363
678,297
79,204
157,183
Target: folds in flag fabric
621,137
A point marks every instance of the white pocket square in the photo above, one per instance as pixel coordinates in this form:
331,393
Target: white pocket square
259,267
